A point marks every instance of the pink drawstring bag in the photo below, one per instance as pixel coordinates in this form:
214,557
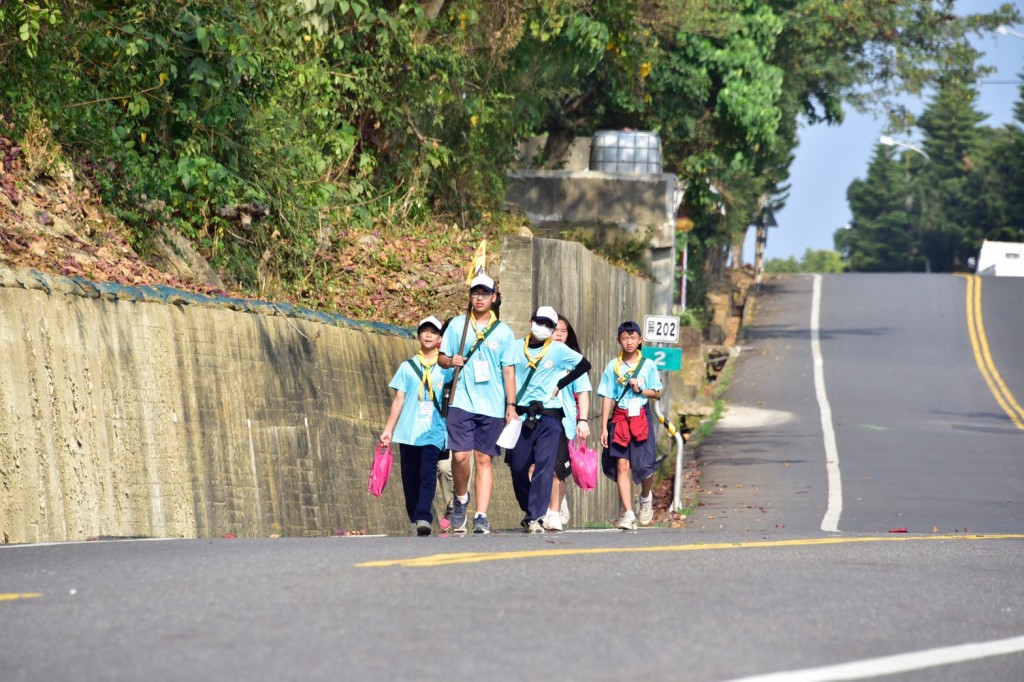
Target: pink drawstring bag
379,471
584,464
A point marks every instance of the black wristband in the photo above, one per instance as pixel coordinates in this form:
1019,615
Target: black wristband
581,420
508,404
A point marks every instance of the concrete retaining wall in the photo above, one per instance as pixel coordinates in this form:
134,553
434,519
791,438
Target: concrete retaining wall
126,417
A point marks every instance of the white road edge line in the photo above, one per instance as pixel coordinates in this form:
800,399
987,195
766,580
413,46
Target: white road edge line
830,523
898,663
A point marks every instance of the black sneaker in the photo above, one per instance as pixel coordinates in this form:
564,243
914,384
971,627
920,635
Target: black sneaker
459,513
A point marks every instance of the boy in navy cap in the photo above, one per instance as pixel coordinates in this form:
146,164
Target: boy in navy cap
627,429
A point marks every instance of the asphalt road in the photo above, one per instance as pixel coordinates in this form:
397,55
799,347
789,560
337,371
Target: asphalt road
753,587
922,442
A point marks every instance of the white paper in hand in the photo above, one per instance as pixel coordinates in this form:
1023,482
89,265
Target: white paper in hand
510,434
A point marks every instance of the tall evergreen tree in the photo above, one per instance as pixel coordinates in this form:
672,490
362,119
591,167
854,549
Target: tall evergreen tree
1000,185
882,236
953,140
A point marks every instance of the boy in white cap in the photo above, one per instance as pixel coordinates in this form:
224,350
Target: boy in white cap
484,398
543,368
417,426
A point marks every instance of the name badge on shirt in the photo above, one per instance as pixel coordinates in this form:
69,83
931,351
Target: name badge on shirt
481,371
426,413
634,406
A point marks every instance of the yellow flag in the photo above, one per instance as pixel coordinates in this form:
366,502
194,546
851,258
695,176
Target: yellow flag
479,262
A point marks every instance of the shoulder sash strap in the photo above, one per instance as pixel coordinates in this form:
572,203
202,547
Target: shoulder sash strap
419,375
479,341
630,376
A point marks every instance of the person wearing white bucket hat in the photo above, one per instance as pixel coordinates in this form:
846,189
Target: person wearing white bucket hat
417,426
543,368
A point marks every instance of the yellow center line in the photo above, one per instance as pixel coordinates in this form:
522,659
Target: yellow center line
11,596
983,357
436,560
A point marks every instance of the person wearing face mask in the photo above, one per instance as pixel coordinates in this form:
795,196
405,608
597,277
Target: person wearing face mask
543,368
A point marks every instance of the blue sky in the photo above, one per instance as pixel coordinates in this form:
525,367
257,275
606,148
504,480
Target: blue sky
830,157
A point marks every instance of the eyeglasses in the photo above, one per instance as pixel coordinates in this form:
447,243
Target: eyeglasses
481,294
545,323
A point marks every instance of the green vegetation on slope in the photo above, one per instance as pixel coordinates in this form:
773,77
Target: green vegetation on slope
333,151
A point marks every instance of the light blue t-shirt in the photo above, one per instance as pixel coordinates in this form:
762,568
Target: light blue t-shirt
611,388
419,422
481,387
567,394
557,361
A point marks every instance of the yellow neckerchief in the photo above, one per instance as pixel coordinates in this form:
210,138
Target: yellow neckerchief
427,366
623,377
481,332
532,362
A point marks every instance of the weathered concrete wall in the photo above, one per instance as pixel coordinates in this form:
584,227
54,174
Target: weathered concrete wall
128,414
606,206
630,201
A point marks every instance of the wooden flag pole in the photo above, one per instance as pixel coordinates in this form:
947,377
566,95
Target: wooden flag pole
462,348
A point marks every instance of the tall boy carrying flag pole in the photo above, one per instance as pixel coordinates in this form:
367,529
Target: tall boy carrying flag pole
482,399
475,267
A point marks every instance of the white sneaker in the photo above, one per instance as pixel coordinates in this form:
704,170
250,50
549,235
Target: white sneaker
534,527
646,514
563,513
626,520
552,521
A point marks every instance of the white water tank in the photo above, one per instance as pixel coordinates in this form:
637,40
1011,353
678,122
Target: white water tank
625,151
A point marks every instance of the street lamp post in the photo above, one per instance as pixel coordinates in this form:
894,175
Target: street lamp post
1007,31
891,142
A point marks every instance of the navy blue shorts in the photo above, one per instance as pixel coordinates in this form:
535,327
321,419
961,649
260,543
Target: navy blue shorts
468,431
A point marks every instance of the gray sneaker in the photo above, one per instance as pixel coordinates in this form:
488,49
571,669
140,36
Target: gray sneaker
480,525
534,527
646,514
422,528
626,520
459,513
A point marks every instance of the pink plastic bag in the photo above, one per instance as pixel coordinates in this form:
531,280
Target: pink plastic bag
379,471
584,464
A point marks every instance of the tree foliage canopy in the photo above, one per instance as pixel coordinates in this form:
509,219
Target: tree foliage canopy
931,210
353,116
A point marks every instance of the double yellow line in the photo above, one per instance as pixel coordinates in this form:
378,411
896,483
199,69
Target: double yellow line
979,343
